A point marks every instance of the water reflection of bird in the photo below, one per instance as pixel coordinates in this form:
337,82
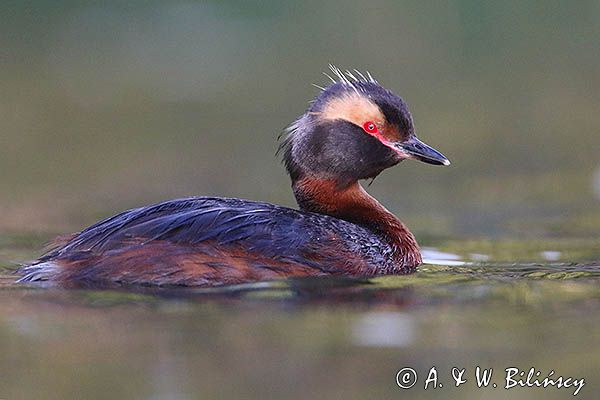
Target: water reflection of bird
353,130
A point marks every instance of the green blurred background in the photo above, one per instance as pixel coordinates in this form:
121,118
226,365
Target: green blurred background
111,105
107,105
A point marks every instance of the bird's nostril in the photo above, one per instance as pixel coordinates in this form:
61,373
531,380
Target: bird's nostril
419,147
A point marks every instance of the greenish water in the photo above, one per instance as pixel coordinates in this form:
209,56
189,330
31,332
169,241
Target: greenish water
111,105
313,338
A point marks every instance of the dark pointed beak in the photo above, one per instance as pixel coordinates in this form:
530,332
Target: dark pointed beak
422,152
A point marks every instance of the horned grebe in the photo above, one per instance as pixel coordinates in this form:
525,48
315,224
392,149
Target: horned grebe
353,130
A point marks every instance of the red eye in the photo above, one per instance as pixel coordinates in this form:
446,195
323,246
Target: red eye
370,127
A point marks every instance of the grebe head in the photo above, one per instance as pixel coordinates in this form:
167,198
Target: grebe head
353,130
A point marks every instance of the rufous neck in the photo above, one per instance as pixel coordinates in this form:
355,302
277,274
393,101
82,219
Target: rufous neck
354,204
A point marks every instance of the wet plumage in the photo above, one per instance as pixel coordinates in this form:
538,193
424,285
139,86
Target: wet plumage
169,233
354,130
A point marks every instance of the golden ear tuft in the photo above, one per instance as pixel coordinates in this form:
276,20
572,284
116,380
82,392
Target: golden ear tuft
353,107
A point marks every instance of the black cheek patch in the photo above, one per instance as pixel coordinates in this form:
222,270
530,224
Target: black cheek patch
347,153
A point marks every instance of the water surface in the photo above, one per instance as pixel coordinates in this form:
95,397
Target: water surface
511,304
107,106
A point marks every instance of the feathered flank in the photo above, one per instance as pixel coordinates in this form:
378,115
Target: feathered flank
188,241
44,271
